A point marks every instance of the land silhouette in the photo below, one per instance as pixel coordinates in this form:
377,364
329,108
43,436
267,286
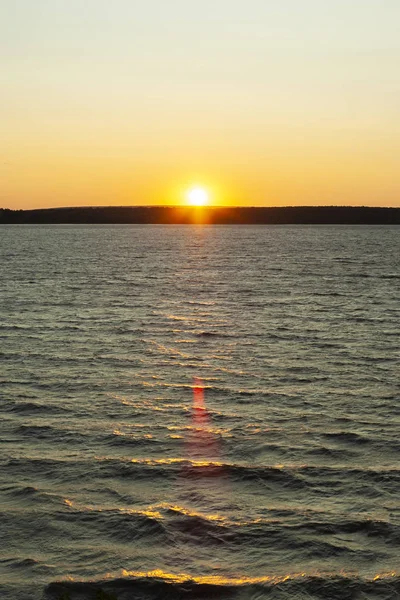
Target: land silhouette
176,215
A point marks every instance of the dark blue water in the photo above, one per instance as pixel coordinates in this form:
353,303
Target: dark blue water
280,479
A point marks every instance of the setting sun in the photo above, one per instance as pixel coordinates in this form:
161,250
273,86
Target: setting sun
197,196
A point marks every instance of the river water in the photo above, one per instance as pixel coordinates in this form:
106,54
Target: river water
199,411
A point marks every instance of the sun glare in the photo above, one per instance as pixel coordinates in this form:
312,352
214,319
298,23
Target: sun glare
197,196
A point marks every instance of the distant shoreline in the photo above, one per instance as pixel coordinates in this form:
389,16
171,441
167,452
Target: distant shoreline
187,215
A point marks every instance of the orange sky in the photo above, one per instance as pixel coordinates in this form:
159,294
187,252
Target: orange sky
262,103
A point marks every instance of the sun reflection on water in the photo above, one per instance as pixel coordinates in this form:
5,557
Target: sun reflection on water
202,440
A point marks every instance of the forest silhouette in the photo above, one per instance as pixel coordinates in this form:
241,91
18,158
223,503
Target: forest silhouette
174,215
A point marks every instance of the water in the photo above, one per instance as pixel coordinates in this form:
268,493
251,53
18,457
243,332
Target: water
280,479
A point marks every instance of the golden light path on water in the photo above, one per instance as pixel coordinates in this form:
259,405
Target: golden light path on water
218,580
202,451
203,440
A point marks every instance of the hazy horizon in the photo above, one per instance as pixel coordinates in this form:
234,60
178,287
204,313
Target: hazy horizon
202,208
259,103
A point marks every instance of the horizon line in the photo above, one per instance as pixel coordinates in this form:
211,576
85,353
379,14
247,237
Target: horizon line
197,208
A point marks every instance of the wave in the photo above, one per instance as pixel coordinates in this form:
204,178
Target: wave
347,436
160,584
122,525
322,478
50,433
371,527
33,408
212,334
19,494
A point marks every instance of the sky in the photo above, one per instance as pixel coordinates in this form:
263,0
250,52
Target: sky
259,102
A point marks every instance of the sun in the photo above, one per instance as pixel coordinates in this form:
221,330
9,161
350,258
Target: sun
197,196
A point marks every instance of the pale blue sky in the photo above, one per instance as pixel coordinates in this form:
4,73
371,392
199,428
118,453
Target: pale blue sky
253,92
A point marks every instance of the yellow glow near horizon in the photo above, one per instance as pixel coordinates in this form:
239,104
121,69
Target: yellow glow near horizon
273,110
197,196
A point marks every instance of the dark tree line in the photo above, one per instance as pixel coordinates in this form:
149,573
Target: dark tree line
357,215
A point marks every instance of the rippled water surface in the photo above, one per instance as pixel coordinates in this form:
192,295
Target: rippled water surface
274,474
